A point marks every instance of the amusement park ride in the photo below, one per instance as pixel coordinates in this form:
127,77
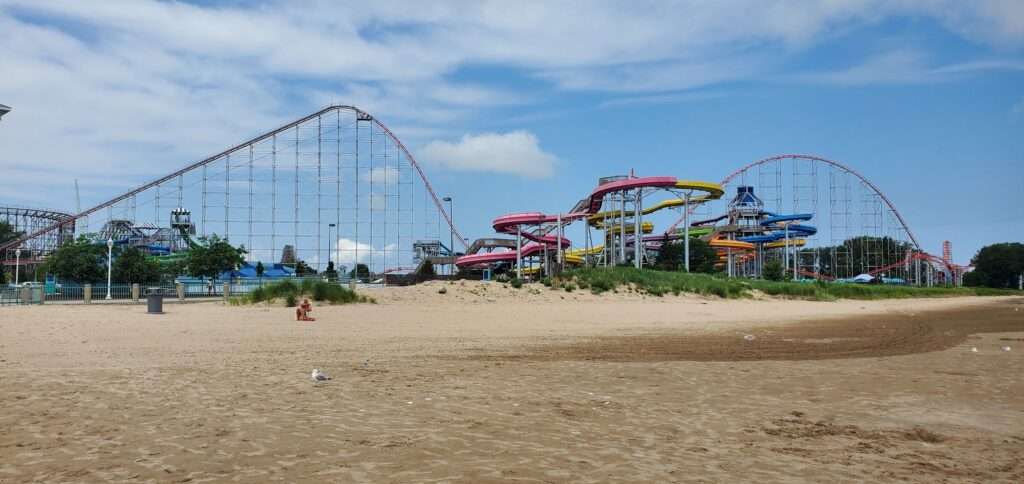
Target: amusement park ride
337,185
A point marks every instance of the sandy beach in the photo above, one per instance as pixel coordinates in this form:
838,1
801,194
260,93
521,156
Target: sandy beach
491,384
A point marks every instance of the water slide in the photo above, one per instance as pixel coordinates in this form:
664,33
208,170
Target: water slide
514,224
779,225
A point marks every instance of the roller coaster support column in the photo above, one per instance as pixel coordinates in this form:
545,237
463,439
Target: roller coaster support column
519,252
686,229
638,240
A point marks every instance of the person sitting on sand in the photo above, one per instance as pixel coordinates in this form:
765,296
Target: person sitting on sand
302,312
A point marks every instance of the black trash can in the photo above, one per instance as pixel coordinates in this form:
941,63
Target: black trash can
154,300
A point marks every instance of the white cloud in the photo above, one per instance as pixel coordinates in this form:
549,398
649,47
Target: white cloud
126,90
674,98
906,66
383,175
350,251
516,153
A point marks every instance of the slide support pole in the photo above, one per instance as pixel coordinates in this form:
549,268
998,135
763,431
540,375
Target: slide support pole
547,266
519,252
637,235
622,226
785,250
686,230
587,258
560,259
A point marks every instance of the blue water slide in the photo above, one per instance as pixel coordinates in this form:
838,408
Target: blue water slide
793,217
762,239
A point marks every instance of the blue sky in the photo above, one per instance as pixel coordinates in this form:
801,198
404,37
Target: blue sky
517,108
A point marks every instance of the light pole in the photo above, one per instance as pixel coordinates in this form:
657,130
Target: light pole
17,265
329,227
451,231
110,251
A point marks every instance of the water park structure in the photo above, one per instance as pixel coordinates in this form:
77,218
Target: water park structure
338,186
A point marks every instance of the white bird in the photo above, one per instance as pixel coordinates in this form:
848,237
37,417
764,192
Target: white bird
1006,348
749,337
974,349
318,375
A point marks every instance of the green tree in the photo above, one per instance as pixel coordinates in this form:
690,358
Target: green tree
79,261
303,269
856,255
213,256
773,271
361,272
7,233
672,254
331,272
171,269
132,266
997,265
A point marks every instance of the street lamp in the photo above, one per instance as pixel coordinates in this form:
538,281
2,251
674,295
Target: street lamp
329,227
17,265
110,250
451,230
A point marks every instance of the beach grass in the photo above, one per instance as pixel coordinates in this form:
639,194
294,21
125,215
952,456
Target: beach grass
289,291
659,283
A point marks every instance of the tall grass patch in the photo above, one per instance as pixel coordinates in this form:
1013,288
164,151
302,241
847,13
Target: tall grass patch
659,283
320,291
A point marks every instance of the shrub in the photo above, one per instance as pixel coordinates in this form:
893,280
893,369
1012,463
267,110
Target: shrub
282,289
546,281
257,295
517,283
321,291
773,271
290,300
569,287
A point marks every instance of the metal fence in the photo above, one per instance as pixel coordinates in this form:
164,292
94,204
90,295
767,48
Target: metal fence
122,293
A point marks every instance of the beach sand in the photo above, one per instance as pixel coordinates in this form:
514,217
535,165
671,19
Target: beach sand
487,383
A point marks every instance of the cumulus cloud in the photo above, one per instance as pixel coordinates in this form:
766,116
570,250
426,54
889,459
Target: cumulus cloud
349,252
515,153
123,91
384,175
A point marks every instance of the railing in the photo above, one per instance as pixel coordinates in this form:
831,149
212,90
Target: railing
124,293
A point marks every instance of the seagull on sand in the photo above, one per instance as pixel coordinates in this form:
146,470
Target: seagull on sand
318,375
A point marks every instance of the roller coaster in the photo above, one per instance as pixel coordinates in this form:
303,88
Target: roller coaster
337,185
